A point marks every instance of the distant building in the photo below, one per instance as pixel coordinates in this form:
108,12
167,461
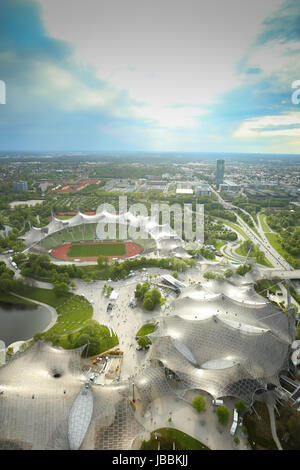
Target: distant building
202,190
229,186
188,173
19,186
220,172
184,191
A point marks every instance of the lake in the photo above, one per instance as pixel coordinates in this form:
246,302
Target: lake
20,324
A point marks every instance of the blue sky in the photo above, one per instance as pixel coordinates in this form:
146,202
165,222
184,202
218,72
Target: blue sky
161,75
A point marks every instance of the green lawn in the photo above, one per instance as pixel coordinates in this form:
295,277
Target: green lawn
146,329
262,285
242,252
169,435
105,249
219,243
73,311
74,319
12,299
237,228
263,224
103,334
273,240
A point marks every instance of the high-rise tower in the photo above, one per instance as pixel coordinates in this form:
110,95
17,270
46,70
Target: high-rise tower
220,172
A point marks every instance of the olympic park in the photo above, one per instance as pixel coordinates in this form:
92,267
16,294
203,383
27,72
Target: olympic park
218,338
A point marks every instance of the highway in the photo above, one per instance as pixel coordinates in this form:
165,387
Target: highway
259,240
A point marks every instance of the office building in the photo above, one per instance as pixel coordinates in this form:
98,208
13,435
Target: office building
220,172
19,186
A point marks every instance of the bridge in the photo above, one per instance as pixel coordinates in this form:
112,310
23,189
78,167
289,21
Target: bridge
281,273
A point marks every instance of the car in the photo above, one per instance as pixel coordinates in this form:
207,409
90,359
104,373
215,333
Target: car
217,402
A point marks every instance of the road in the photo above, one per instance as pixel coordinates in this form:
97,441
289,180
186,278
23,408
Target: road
259,240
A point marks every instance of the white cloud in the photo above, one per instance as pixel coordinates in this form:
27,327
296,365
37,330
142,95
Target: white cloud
269,126
161,53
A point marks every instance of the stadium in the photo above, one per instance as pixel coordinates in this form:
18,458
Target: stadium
85,237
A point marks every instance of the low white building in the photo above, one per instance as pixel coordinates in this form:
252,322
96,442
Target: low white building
184,191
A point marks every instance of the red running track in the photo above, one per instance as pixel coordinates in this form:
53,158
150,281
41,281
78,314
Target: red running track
132,249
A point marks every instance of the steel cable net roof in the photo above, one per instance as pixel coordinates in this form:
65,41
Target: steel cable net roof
33,405
151,383
223,346
121,432
165,237
40,387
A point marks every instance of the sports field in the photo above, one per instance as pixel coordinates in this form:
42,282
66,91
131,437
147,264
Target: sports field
97,249
89,251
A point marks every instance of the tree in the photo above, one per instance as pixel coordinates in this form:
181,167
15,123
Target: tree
38,335
148,303
156,295
143,341
60,289
240,406
228,273
223,414
81,340
102,260
199,403
243,269
98,337
9,352
141,290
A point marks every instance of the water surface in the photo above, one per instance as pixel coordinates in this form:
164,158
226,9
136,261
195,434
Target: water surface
19,324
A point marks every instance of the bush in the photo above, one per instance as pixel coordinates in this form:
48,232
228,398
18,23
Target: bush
143,341
210,275
97,336
243,269
199,403
223,414
240,406
228,273
60,289
148,302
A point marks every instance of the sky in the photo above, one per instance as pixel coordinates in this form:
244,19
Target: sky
159,75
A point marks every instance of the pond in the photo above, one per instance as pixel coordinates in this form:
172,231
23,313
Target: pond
19,323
